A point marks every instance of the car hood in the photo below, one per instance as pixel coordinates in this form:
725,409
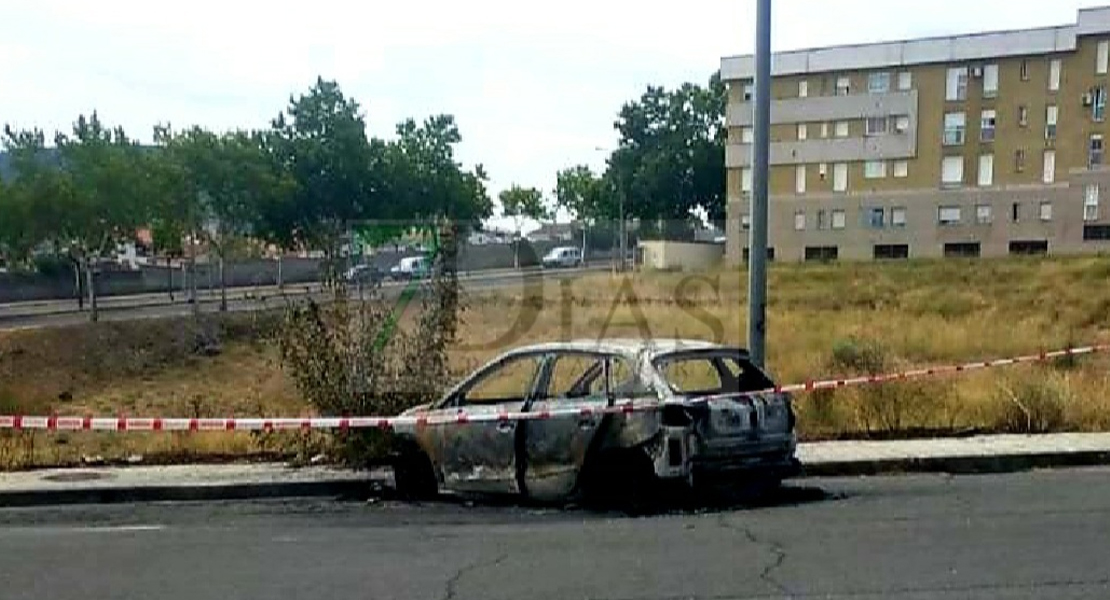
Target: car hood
417,409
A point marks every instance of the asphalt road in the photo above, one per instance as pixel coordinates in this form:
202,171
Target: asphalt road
1031,535
32,315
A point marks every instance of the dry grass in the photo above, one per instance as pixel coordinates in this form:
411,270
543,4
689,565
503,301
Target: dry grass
876,316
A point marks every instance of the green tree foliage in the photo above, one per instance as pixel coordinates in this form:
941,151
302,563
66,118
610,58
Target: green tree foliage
320,141
585,194
671,155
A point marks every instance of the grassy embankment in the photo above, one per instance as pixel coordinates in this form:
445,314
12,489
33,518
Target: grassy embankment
823,320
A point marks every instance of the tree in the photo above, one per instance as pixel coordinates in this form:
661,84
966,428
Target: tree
215,187
521,203
671,155
426,182
104,196
320,141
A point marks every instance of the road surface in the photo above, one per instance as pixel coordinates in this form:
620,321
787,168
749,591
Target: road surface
1030,535
25,315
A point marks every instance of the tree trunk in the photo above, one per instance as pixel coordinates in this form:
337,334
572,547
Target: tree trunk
90,282
223,285
193,280
169,275
78,290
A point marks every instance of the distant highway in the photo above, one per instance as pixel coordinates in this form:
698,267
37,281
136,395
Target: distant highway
52,313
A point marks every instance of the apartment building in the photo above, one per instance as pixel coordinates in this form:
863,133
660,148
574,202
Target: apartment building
987,144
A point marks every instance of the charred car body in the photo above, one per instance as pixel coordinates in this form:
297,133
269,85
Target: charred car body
709,416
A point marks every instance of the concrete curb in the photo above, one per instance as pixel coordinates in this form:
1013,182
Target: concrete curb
343,488
957,465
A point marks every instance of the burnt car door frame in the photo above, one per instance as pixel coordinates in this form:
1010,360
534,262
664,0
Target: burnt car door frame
462,444
580,432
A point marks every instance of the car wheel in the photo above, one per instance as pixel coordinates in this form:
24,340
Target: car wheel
620,477
414,476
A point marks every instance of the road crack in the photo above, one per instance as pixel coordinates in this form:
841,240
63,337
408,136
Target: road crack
777,550
453,582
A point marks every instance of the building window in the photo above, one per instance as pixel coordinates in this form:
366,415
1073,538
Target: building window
840,177
800,179
955,127
1095,151
1015,212
1102,60
800,220
1023,116
823,171
822,220
803,132
1019,161
876,126
1051,116
876,218
990,81
1046,211
956,86
984,214
901,124
878,83
1090,202
905,81
841,129
749,92
1098,103
803,89
952,171
901,169
874,169
1054,70
843,86
1025,69
839,219
1029,247
986,170
747,135
987,123
898,217
891,251
824,130
821,253
1093,233
962,250
948,215
746,181
1049,171
745,222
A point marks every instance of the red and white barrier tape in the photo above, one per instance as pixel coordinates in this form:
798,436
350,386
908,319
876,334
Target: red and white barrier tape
57,423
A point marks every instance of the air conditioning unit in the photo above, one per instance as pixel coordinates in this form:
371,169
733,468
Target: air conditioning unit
1088,99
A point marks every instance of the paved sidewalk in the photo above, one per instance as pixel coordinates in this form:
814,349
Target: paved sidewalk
980,454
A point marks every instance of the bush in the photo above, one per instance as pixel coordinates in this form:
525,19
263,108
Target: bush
355,358
1034,405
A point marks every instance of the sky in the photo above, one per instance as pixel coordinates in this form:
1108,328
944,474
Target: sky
535,86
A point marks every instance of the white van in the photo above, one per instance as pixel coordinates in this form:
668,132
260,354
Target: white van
565,257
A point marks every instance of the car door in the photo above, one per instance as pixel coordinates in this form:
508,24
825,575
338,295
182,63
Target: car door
573,387
477,454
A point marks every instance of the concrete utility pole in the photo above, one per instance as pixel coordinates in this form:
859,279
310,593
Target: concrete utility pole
761,150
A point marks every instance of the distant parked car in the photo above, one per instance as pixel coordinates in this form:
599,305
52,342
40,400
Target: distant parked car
364,275
412,267
563,257
712,416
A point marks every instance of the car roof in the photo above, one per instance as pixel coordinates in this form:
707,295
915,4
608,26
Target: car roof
626,346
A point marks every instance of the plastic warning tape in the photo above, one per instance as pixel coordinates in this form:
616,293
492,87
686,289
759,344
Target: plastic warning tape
461,417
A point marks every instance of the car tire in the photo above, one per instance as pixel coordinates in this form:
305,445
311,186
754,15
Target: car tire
414,476
624,478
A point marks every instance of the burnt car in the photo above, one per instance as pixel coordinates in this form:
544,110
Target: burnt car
677,411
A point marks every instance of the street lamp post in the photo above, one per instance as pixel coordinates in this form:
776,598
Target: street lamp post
757,247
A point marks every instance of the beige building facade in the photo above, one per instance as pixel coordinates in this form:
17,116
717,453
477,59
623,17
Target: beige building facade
975,145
